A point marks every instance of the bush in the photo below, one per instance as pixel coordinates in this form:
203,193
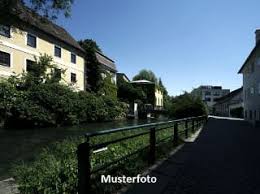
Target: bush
38,99
187,105
54,171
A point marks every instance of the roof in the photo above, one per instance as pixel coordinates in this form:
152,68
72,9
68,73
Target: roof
142,81
109,63
230,95
31,18
124,75
249,56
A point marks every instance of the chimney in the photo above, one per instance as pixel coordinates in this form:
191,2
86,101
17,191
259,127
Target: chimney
257,36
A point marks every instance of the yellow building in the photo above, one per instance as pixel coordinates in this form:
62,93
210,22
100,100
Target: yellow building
158,99
27,35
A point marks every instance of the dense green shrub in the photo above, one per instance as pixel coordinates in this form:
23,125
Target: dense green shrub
39,99
186,105
55,169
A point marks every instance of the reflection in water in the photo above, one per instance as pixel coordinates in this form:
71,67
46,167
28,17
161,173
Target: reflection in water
16,145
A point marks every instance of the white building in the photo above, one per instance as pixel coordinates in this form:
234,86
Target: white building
251,83
209,94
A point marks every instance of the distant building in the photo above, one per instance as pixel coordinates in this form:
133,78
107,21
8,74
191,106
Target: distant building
209,94
108,65
121,77
251,83
230,105
28,36
153,93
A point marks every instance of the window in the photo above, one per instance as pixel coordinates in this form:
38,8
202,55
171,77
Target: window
207,93
29,66
57,51
73,58
252,90
5,59
57,73
216,94
31,40
73,77
207,99
5,30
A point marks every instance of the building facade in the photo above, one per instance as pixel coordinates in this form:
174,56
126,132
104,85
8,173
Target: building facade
209,94
153,93
107,65
29,36
251,83
230,105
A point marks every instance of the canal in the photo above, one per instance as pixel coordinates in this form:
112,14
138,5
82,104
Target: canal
23,145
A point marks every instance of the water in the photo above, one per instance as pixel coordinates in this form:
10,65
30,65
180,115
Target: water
17,145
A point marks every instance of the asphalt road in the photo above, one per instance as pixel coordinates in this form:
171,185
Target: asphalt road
225,159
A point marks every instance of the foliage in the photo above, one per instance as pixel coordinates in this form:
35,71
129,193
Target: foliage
108,87
94,78
150,76
55,170
37,98
146,75
127,93
49,9
187,105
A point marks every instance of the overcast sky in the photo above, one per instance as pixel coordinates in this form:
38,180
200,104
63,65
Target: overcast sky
186,43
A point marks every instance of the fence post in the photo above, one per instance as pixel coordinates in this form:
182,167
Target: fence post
84,168
152,146
186,129
175,133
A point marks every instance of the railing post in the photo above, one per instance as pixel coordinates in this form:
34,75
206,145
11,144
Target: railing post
84,168
175,133
186,129
152,146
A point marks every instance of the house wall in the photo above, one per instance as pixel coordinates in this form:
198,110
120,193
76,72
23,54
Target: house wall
224,108
158,98
251,87
209,94
17,47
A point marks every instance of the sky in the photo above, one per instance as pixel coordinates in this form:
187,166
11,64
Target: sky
186,43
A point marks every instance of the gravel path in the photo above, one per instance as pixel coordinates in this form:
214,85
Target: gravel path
225,159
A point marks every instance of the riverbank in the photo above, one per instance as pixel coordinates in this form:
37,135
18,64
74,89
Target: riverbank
24,145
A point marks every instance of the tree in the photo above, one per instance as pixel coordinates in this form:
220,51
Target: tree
146,75
127,93
49,9
187,105
94,78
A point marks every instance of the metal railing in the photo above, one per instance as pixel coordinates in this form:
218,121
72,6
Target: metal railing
85,150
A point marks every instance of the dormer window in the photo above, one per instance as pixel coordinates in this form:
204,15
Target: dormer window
5,31
31,40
